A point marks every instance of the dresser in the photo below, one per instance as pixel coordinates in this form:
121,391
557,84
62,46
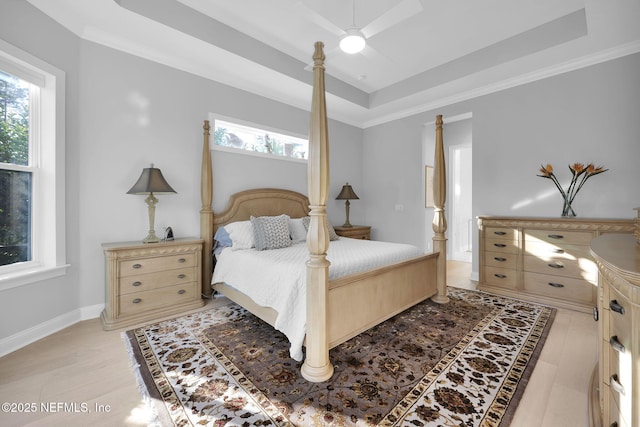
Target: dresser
618,261
355,232
146,282
544,260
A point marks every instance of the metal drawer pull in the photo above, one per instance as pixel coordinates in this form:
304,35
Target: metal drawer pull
137,301
181,276
182,260
500,276
558,251
614,424
556,265
499,245
616,345
497,258
616,384
500,233
556,285
555,236
181,291
613,305
137,266
137,283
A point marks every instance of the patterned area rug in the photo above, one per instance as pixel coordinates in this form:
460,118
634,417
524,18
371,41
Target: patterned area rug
465,363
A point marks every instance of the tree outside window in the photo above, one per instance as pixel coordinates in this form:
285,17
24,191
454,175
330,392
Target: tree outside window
15,174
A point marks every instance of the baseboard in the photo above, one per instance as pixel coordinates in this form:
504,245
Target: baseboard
34,333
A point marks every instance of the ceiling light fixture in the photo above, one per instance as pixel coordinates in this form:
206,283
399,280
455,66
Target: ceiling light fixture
353,41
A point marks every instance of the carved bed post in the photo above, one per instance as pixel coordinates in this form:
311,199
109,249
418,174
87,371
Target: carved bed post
439,220
317,366
206,213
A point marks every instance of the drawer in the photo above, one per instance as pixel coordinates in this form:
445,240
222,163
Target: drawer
502,246
168,296
502,277
131,267
579,269
560,287
559,236
559,250
501,233
145,282
501,260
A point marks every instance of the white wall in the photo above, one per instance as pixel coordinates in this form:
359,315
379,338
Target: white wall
589,115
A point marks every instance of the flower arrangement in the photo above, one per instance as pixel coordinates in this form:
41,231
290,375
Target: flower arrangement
580,174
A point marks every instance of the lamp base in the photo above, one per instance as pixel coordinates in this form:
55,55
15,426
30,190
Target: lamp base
151,238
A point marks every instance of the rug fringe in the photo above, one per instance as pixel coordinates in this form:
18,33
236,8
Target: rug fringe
153,418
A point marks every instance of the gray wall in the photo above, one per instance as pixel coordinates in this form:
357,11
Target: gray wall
589,115
124,113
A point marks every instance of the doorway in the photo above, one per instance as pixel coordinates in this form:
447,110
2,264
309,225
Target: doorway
461,219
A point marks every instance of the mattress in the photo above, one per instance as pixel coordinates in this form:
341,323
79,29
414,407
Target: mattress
277,278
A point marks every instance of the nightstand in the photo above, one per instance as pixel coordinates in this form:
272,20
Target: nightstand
362,232
146,282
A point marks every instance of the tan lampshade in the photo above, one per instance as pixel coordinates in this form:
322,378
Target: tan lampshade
151,181
347,193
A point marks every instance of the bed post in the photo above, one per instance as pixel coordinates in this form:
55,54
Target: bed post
317,366
206,213
439,220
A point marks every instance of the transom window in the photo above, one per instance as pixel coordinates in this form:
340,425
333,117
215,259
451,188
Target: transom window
249,138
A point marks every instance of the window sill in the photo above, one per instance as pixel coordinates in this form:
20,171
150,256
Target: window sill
24,277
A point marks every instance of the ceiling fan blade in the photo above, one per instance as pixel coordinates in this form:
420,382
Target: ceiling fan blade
318,19
395,15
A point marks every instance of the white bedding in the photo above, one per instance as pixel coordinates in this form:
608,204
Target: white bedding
276,278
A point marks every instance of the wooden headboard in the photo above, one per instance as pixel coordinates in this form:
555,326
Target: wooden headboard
262,202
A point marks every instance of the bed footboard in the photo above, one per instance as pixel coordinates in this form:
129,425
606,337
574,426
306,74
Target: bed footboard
360,301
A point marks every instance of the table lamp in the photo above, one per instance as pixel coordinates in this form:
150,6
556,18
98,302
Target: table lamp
347,194
151,181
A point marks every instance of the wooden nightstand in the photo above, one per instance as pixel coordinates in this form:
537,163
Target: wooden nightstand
149,281
355,232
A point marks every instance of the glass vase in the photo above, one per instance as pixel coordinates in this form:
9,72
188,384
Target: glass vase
567,209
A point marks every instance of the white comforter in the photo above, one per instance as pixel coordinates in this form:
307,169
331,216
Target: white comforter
276,278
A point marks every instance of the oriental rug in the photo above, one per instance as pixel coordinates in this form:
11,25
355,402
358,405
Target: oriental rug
465,363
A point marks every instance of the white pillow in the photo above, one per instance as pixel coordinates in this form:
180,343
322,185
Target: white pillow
241,234
298,230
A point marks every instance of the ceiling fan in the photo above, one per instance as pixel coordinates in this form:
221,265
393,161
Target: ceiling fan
354,39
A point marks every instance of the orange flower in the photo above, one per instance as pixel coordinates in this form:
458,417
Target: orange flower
546,171
577,168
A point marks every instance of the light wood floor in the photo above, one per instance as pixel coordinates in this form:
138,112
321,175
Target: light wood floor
85,369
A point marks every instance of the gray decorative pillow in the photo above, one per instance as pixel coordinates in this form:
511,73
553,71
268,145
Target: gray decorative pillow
332,232
271,232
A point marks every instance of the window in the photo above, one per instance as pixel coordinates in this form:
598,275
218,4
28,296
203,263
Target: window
32,232
16,169
231,135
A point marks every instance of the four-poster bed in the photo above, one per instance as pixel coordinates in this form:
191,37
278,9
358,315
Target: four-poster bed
338,308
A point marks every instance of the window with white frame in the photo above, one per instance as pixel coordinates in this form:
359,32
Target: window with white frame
230,134
32,214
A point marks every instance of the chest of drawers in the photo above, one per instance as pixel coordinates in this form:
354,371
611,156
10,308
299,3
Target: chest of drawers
545,260
145,282
618,260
